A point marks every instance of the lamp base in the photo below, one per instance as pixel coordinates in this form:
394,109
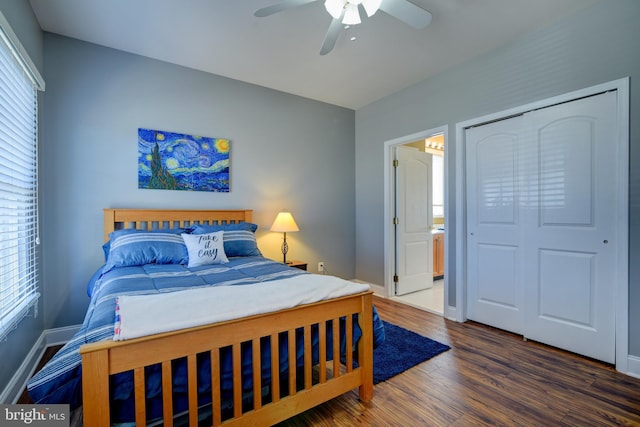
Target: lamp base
284,249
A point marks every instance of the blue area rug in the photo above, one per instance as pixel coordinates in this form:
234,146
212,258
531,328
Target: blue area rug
401,350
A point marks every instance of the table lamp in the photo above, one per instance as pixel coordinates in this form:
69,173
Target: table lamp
284,223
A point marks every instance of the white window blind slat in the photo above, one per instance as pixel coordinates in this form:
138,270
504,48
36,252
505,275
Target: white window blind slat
18,183
12,135
14,165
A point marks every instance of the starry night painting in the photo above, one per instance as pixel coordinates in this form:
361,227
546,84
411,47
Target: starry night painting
175,161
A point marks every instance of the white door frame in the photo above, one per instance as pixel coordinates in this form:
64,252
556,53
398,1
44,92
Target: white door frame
389,194
622,287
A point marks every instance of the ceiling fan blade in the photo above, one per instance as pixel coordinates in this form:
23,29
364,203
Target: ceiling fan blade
279,7
332,36
407,12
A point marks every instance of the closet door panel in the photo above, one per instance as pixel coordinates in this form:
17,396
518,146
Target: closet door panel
493,225
569,286
567,277
566,159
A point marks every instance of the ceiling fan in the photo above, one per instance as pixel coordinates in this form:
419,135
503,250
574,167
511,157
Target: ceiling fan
347,12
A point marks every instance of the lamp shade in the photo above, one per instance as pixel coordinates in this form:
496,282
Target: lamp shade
284,223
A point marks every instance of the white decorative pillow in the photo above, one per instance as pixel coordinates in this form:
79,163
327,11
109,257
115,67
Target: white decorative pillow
205,249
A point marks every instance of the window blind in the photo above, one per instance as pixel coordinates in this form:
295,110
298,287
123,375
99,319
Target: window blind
18,184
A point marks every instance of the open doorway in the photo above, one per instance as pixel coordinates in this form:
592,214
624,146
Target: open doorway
400,256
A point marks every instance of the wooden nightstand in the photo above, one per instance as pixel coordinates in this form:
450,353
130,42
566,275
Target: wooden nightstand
297,264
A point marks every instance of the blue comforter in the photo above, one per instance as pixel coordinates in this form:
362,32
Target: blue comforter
60,380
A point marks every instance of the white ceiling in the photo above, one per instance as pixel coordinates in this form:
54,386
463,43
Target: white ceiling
282,51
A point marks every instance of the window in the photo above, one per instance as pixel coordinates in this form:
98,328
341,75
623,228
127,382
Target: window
19,83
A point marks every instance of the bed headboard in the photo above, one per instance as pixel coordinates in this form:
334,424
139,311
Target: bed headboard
116,219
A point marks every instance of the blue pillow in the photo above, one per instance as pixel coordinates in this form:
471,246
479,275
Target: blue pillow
239,239
133,247
107,245
92,282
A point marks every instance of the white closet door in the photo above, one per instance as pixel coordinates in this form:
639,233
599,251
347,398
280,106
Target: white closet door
569,224
541,243
494,252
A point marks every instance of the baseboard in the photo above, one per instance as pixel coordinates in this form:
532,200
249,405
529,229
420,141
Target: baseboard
451,313
377,289
13,390
633,366
49,337
60,335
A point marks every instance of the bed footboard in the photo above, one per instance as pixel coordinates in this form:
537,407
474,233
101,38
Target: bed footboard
288,394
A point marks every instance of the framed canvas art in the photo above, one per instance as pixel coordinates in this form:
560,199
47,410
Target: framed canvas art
176,161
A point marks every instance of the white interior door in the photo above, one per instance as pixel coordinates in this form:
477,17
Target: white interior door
541,206
414,242
494,242
570,226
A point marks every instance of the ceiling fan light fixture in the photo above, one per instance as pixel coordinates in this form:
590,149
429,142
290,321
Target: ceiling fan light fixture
349,10
351,14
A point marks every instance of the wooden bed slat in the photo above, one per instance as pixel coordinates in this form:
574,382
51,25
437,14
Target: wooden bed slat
308,353
139,393
216,398
192,380
237,381
336,348
291,341
322,350
349,333
167,397
275,368
257,373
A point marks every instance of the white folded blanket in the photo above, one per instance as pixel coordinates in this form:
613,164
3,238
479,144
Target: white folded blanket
140,315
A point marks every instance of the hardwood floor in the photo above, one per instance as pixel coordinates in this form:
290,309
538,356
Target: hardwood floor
489,377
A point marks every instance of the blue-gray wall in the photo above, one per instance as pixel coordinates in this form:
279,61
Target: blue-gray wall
18,344
596,45
286,152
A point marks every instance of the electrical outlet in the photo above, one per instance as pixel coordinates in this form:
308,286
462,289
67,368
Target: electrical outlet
321,267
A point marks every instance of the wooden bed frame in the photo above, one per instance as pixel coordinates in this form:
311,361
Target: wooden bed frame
314,385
